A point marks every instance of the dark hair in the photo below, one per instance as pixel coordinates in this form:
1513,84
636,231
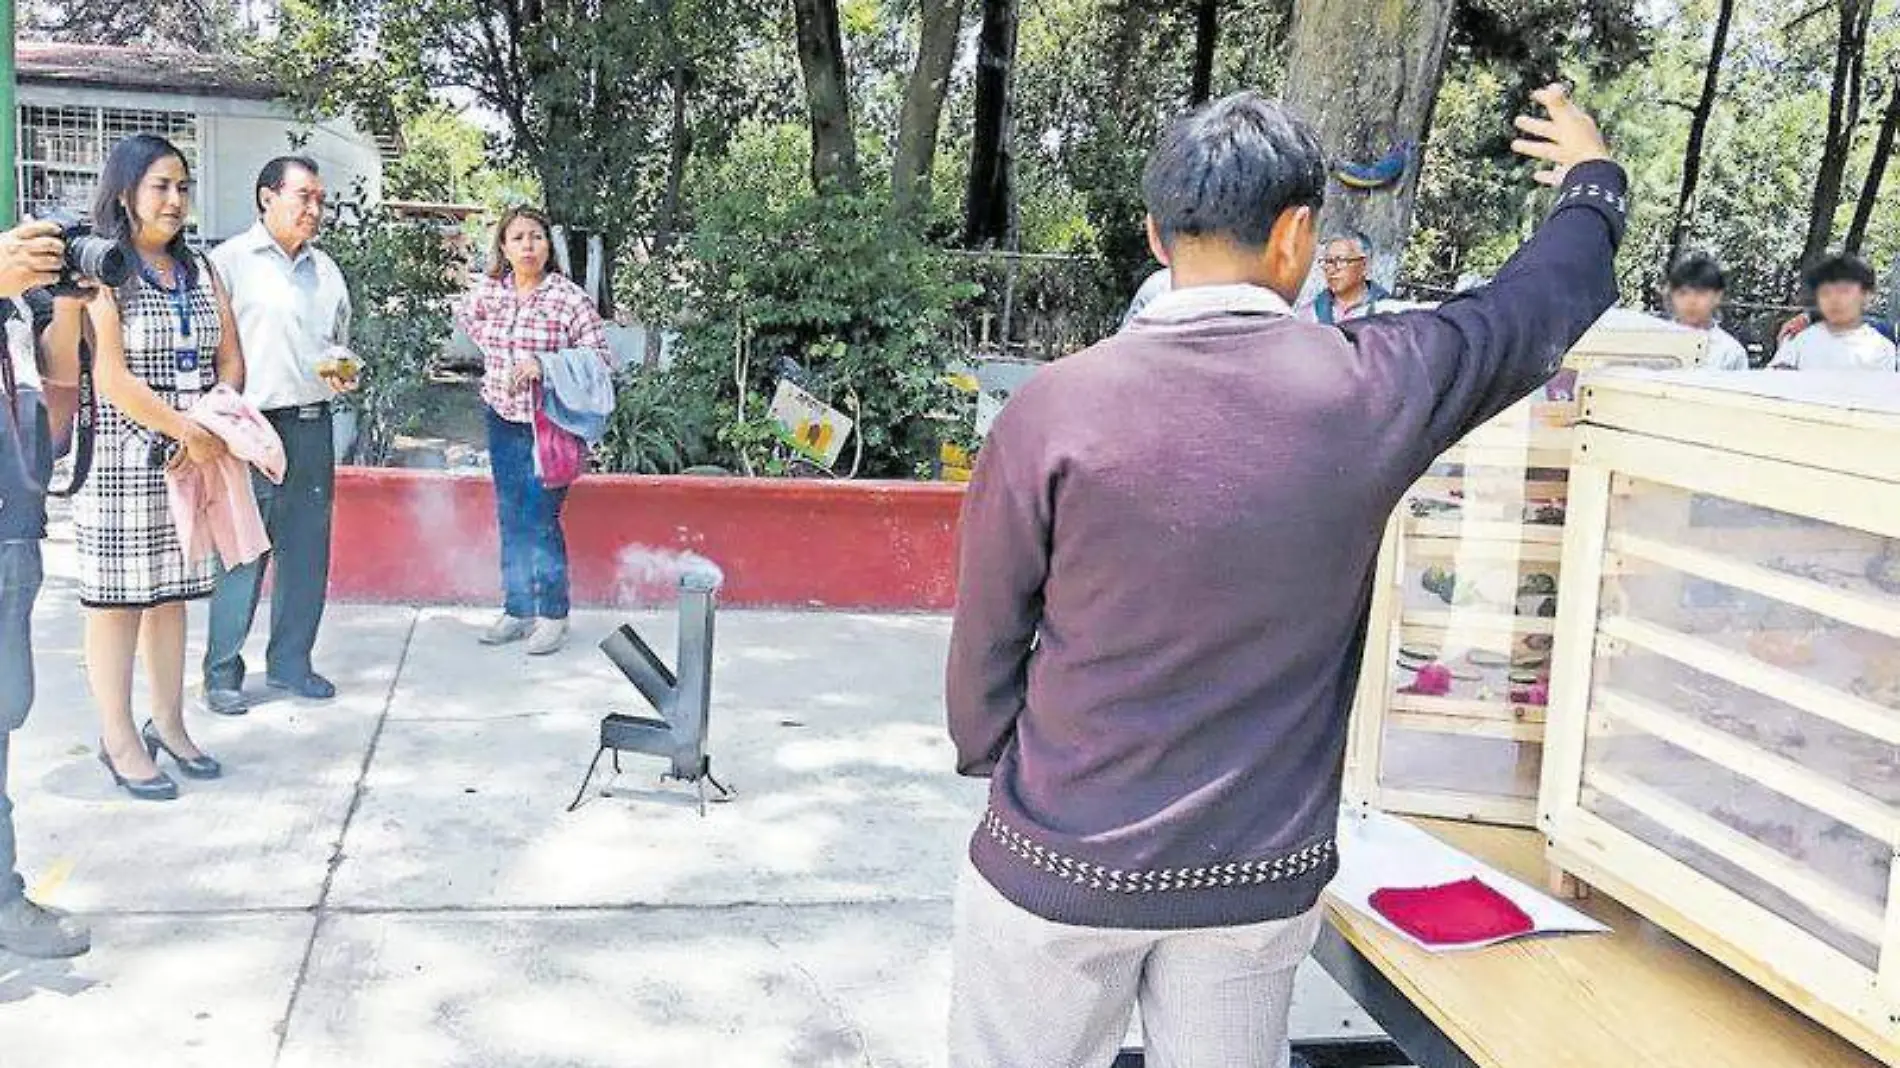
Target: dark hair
1698,270
1841,267
498,259
1231,168
1357,237
126,167
273,175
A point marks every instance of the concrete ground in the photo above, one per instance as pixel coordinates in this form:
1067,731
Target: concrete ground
392,880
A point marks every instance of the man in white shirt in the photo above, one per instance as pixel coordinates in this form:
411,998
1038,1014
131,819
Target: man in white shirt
292,308
1842,340
1696,287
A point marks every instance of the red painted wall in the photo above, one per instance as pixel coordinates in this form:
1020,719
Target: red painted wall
428,537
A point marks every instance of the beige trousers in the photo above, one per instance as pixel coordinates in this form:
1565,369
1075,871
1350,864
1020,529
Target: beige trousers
1028,993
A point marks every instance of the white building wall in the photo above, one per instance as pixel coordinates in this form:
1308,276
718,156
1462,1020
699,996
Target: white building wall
236,138
238,146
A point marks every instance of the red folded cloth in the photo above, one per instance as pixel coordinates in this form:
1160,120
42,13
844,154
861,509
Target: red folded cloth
1454,914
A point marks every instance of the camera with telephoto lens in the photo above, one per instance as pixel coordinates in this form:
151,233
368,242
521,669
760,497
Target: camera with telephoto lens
88,257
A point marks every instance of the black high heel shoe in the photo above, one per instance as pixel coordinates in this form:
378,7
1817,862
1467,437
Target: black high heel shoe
160,788
203,766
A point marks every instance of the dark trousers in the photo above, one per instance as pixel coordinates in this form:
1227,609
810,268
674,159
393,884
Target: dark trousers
20,578
297,517
533,546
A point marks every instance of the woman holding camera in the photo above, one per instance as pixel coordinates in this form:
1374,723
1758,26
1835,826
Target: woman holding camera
160,342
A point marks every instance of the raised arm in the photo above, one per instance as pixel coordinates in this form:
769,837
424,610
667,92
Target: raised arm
1486,348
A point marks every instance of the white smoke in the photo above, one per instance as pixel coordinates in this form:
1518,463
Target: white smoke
648,574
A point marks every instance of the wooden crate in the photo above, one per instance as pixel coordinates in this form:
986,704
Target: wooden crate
1490,515
1723,750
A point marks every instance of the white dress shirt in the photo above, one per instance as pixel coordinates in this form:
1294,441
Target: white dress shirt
289,312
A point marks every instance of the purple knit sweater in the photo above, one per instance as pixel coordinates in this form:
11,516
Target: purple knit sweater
1166,571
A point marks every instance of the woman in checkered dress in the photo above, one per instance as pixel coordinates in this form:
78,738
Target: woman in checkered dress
161,341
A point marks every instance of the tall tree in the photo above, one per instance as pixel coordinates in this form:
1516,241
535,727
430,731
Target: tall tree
1877,168
1698,131
834,144
1367,76
589,92
1206,40
940,27
1843,117
197,25
989,205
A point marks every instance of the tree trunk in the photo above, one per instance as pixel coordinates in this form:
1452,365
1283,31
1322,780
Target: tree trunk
987,213
834,148
942,24
1877,169
1206,37
1843,115
1698,130
666,221
680,149
1366,74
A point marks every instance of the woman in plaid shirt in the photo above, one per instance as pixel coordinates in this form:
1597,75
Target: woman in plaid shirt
523,312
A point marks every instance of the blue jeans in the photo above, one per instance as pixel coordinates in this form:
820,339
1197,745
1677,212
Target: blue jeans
533,546
20,578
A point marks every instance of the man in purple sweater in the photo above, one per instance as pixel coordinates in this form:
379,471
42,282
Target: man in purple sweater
1167,567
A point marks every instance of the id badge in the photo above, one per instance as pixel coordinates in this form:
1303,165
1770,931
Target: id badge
188,378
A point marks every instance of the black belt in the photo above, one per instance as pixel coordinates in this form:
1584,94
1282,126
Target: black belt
305,413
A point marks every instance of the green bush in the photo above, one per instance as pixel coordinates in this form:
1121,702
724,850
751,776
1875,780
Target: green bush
403,281
863,307
658,427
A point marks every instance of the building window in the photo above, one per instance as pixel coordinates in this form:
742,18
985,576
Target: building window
63,149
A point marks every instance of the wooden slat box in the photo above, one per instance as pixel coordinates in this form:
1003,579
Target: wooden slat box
1467,587
1723,749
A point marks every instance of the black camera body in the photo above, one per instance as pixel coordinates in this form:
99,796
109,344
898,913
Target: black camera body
89,257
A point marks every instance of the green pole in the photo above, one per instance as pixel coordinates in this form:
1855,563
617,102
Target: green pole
9,123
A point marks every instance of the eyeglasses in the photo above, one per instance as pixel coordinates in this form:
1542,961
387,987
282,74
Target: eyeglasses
1335,263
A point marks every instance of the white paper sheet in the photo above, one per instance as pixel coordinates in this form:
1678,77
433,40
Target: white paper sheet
1379,852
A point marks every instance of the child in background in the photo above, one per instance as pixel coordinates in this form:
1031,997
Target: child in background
1842,340
1696,286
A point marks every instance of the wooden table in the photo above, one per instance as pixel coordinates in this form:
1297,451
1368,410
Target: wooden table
1637,998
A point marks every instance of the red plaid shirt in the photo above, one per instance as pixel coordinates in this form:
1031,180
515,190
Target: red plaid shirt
509,329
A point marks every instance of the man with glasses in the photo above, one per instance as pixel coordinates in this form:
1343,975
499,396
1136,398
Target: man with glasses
1349,294
293,314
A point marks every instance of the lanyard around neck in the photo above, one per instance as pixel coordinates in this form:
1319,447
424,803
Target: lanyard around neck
178,292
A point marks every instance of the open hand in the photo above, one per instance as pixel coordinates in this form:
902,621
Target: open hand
1567,138
31,256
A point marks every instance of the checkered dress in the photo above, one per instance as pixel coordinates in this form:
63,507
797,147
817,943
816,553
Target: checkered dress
129,554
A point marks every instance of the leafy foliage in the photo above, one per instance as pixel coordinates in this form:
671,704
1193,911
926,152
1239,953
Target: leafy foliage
403,278
826,290
659,426
585,93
